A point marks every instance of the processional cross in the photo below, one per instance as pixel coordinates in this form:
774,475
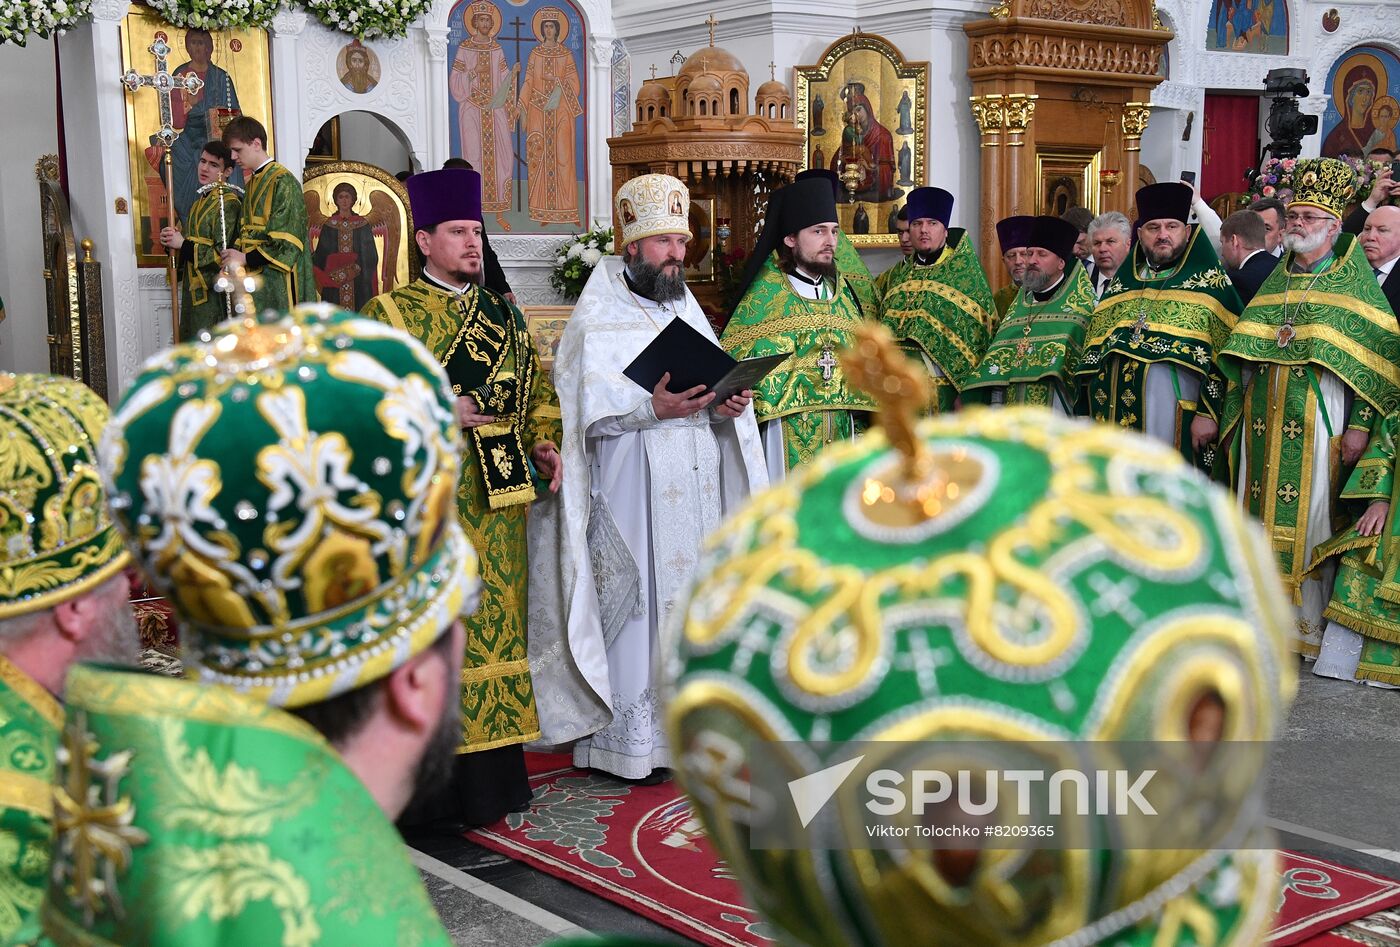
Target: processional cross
164,83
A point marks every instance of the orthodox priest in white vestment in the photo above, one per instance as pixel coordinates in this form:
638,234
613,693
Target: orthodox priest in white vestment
648,474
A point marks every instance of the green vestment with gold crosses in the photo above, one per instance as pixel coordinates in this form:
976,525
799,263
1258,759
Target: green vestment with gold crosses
1175,321
1302,334
808,393
941,314
857,275
483,343
30,719
1037,347
1366,594
189,815
209,234
273,225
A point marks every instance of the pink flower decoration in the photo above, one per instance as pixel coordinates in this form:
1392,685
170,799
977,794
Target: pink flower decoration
1268,191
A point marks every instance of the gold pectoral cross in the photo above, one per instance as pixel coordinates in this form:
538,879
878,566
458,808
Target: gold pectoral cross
1024,347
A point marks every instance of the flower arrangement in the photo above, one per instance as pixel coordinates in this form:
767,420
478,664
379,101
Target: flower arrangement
1275,178
369,19
576,258
217,14
20,19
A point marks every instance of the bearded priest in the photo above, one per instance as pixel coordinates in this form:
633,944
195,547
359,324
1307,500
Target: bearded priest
800,300
647,475
507,407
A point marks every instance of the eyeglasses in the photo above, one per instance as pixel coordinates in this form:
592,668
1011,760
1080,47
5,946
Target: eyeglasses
1308,219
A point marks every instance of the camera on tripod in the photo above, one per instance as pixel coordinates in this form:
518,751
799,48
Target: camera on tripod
1286,125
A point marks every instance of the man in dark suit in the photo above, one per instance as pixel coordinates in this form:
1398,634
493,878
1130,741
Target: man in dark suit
1380,241
495,276
1247,262
1381,191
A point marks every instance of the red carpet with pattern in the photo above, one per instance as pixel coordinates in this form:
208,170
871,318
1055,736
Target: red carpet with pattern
640,847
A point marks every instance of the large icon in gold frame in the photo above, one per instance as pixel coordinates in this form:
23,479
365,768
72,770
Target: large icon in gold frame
1069,177
361,231
236,70
864,110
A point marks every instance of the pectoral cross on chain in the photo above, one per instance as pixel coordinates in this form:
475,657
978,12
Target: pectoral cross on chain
1023,347
1141,325
827,363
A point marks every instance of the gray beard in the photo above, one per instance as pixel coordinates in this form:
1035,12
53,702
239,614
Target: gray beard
1038,282
1306,244
655,283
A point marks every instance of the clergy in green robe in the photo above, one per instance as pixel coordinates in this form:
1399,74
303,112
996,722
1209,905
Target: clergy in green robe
273,239
1361,641
1033,356
848,259
209,229
799,301
937,303
1317,357
1150,352
319,575
511,414
1012,234
63,599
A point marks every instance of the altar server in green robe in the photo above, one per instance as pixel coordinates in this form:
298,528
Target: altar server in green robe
63,599
209,230
273,239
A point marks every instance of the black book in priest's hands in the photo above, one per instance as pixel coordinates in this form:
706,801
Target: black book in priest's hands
694,360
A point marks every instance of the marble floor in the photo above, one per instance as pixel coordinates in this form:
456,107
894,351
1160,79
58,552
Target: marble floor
1334,792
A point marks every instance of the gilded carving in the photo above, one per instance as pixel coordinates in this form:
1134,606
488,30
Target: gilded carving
1020,109
1135,118
1099,12
989,113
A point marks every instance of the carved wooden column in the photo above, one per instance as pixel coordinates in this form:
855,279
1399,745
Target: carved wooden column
1134,124
1019,180
989,114
1072,78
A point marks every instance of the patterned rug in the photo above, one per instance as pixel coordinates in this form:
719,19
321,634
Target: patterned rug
640,847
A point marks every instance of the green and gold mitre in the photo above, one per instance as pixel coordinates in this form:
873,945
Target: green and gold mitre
1337,318
1030,583
1184,315
195,816
290,485
58,537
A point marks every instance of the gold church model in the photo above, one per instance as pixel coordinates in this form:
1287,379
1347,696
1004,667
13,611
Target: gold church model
697,126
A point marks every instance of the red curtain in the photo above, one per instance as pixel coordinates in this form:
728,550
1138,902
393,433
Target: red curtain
1231,144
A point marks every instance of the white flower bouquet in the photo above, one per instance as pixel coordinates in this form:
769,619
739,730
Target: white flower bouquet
575,259
369,19
217,14
20,19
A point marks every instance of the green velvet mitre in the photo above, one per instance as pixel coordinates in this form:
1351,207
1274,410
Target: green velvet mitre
1045,582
